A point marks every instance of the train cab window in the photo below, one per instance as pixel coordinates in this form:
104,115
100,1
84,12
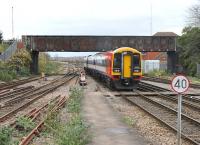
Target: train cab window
136,60
117,60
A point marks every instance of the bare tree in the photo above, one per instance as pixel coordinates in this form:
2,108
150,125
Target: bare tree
194,15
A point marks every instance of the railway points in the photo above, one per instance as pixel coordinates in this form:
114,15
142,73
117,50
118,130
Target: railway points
167,81
114,107
29,97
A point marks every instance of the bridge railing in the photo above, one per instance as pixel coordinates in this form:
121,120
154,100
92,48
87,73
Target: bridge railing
9,52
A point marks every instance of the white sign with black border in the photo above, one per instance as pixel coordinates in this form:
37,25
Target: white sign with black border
179,84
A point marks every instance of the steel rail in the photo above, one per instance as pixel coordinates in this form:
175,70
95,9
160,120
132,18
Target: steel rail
26,140
167,81
15,92
17,83
30,93
187,102
161,112
187,97
14,111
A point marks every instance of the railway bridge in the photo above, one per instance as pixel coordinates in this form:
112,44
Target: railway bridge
42,43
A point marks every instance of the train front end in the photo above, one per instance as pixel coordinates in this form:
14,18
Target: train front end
126,68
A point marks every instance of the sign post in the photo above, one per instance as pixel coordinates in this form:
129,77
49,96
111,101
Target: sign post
179,119
179,84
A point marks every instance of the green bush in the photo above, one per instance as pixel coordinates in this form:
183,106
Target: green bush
18,65
157,73
74,132
7,75
24,71
24,124
3,47
73,105
5,135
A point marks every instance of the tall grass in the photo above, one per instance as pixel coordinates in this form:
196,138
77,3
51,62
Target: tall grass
157,73
74,131
47,66
3,47
5,135
7,75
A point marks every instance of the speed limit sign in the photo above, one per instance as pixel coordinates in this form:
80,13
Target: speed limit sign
180,84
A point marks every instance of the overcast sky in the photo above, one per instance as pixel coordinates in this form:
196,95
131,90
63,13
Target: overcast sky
92,17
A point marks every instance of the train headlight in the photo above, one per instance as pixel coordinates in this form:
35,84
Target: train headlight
116,70
136,70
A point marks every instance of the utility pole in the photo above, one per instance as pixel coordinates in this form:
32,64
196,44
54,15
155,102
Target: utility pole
12,24
151,23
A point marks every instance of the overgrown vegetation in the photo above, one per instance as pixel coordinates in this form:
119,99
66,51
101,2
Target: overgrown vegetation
129,120
5,135
12,136
20,62
18,65
6,74
3,47
158,73
189,50
189,44
47,66
24,124
74,131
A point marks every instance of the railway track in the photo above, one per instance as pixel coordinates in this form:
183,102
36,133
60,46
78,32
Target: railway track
188,100
145,87
168,116
26,140
162,105
9,85
36,116
15,92
167,81
11,106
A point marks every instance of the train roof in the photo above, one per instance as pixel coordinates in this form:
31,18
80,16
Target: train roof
119,50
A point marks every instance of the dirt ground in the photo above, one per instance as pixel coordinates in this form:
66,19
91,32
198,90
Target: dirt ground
106,125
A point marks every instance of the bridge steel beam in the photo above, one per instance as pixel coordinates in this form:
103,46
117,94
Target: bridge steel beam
42,43
99,43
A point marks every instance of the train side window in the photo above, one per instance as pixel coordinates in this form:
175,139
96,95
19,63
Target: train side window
136,60
117,60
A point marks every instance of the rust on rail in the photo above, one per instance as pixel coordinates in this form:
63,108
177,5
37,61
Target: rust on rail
26,140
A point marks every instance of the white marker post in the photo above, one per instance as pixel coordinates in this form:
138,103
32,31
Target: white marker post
179,84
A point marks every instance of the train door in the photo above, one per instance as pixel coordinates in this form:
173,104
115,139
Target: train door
126,66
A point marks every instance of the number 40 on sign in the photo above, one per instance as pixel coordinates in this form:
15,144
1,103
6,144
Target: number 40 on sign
180,84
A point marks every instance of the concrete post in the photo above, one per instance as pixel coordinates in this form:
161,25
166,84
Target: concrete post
171,61
34,63
198,69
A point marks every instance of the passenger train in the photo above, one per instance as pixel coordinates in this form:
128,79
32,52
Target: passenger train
120,69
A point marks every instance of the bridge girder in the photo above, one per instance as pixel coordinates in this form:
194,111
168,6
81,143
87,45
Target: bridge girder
99,43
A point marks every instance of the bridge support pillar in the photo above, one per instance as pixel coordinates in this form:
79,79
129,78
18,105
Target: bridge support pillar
34,63
171,61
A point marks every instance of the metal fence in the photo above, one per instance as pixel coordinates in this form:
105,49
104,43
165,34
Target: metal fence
198,69
9,52
151,65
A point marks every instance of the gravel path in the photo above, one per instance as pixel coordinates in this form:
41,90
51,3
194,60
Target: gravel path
106,124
